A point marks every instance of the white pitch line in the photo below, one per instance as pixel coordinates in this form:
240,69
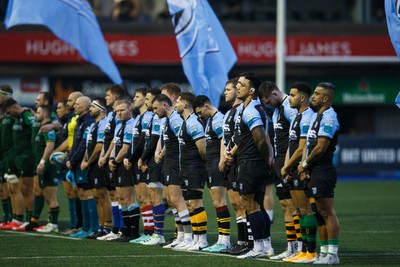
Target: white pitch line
44,235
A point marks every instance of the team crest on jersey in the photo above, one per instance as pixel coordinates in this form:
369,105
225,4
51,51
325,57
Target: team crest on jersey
305,128
314,190
328,128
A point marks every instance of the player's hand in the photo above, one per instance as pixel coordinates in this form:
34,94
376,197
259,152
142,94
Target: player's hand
102,162
68,164
46,128
84,165
305,175
158,157
144,167
39,168
112,165
127,164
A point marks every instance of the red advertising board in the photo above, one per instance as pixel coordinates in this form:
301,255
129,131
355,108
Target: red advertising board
162,49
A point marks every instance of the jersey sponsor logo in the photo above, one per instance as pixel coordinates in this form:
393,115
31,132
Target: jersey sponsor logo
292,135
226,128
278,126
312,134
17,127
117,141
305,128
328,128
314,190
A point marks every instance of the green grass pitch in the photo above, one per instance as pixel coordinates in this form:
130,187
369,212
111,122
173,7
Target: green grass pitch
368,211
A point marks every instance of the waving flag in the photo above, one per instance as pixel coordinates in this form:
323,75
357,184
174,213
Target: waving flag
206,53
392,9
72,21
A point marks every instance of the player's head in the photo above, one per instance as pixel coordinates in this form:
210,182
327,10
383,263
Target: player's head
299,94
185,101
270,94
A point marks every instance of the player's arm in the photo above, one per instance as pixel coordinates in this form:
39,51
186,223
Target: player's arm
122,153
63,147
296,157
319,150
45,157
259,137
201,147
95,155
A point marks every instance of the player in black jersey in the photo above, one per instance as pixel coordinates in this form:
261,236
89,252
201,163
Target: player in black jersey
169,156
299,99
192,169
252,149
114,93
124,179
318,169
216,181
270,95
96,175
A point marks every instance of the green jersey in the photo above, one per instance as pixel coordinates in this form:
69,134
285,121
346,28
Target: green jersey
7,141
36,127
41,141
22,132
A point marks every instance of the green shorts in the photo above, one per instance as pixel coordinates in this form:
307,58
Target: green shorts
25,165
49,177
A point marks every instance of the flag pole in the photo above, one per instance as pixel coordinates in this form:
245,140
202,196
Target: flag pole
280,45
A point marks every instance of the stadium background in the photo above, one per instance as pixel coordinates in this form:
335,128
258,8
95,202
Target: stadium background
342,41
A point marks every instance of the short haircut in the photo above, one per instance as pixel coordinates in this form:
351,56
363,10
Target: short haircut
154,91
232,81
9,103
162,98
266,89
49,97
46,109
101,101
142,90
329,87
124,101
254,81
188,97
171,88
302,87
201,100
64,102
116,89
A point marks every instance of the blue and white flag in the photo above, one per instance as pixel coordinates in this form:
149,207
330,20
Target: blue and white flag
397,101
206,52
73,22
392,9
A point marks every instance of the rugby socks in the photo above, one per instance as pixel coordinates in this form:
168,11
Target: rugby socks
324,247
126,230
267,231
54,212
37,208
201,220
310,223
195,229
148,219
94,216
85,215
249,233
257,224
187,227
134,217
7,209
270,215
159,216
333,246
297,227
303,235
78,213
224,224
28,215
178,234
116,217
242,229
72,212
291,236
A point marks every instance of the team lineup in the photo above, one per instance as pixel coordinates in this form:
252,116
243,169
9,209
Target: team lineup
119,159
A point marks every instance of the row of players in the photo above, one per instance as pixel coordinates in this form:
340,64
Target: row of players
167,146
